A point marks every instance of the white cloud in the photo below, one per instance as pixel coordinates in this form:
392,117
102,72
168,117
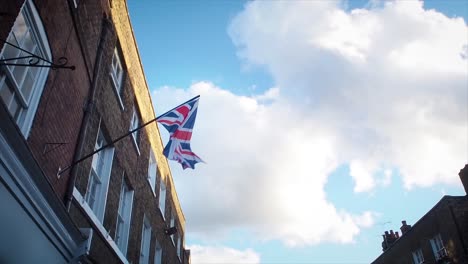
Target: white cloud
390,81
266,169
218,255
383,90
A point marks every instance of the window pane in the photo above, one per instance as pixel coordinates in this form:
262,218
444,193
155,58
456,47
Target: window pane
114,62
152,170
100,164
15,109
145,242
20,27
6,92
158,254
93,189
20,71
27,87
27,34
162,198
10,51
28,43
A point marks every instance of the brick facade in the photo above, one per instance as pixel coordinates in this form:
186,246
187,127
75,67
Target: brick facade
75,105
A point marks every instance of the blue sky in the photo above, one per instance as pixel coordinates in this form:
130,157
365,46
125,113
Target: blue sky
323,123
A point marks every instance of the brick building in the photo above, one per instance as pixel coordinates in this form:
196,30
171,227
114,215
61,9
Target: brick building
118,206
440,236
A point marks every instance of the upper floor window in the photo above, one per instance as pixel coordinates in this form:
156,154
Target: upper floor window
76,2
438,247
172,224
179,245
162,197
116,74
135,123
21,86
123,217
158,254
418,257
152,171
98,182
145,242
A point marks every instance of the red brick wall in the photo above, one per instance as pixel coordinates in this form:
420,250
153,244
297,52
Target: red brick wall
74,104
61,108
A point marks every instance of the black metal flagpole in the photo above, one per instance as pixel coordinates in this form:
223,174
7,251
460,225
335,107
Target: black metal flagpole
118,139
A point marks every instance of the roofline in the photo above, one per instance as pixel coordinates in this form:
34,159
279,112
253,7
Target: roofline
154,113
443,199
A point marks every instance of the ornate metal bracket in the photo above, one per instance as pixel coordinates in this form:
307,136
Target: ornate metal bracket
51,146
35,61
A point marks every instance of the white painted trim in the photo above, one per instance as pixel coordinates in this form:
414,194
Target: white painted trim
116,91
100,228
43,45
23,188
38,32
162,211
126,231
105,178
135,144
109,155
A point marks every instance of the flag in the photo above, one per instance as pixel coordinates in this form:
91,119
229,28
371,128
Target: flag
179,122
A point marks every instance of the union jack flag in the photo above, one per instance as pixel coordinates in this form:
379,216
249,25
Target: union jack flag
179,122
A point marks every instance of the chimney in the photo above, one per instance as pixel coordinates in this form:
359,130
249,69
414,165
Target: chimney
397,235
404,227
464,177
384,243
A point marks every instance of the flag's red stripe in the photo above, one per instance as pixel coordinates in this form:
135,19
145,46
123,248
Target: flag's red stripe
182,135
184,110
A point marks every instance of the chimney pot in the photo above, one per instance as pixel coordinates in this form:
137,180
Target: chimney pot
464,177
404,227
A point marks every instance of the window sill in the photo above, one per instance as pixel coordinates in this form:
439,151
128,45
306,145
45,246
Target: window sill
116,91
99,227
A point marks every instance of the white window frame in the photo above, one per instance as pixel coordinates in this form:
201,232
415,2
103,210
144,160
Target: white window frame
438,247
98,184
117,76
179,245
418,257
9,79
172,224
162,198
158,253
145,241
124,215
135,122
152,171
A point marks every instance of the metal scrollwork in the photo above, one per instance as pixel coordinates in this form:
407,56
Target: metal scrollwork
35,61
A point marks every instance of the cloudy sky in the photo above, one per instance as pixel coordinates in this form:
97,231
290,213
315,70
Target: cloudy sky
322,123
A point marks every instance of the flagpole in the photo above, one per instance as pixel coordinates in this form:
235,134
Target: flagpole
178,106
118,139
